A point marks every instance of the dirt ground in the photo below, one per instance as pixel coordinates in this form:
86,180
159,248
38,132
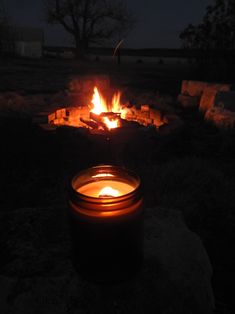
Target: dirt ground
52,75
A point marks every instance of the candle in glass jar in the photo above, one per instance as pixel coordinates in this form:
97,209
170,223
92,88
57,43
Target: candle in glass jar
105,206
112,188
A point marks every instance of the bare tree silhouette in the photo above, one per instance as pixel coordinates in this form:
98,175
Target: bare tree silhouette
89,21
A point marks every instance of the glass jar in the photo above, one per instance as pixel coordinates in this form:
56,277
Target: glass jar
106,219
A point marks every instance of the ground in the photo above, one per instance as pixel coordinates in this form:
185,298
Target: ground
191,170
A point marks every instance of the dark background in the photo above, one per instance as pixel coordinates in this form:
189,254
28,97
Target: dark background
158,22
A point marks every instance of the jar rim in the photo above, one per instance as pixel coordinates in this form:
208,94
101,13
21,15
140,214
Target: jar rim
94,174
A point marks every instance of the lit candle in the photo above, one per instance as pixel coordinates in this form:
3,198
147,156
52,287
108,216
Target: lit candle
105,207
113,188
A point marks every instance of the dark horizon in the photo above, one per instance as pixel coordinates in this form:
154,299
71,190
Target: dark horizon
151,30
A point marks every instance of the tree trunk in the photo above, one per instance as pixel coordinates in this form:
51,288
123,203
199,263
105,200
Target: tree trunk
81,49
119,56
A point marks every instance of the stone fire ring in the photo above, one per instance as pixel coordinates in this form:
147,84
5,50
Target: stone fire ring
143,117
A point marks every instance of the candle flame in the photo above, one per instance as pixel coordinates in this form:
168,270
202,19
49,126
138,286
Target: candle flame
109,192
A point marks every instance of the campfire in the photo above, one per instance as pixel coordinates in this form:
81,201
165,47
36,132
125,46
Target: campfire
102,114
108,114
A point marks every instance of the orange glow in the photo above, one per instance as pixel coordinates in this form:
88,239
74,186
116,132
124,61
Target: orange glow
99,105
102,175
110,213
124,113
109,192
116,105
111,124
94,189
103,114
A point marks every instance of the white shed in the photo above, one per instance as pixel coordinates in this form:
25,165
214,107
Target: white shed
23,41
28,42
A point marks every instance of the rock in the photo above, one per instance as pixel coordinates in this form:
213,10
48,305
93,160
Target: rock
209,94
225,100
193,92
51,117
61,113
196,88
193,88
153,99
222,118
219,87
156,116
189,101
37,275
207,100
181,254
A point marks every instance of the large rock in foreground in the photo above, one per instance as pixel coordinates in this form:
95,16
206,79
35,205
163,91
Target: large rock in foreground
36,275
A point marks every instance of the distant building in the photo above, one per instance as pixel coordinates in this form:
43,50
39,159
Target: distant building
23,41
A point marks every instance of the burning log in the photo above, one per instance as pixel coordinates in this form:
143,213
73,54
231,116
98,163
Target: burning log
91,124
98,119
105,117
111,115
95,117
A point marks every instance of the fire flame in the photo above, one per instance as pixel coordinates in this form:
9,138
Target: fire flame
99,105
99,102
116,105
111,124
108,192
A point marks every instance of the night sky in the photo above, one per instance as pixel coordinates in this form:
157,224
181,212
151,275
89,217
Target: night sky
159,21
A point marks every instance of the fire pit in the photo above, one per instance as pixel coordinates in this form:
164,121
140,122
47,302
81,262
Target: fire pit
109,123
103,115
88,109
